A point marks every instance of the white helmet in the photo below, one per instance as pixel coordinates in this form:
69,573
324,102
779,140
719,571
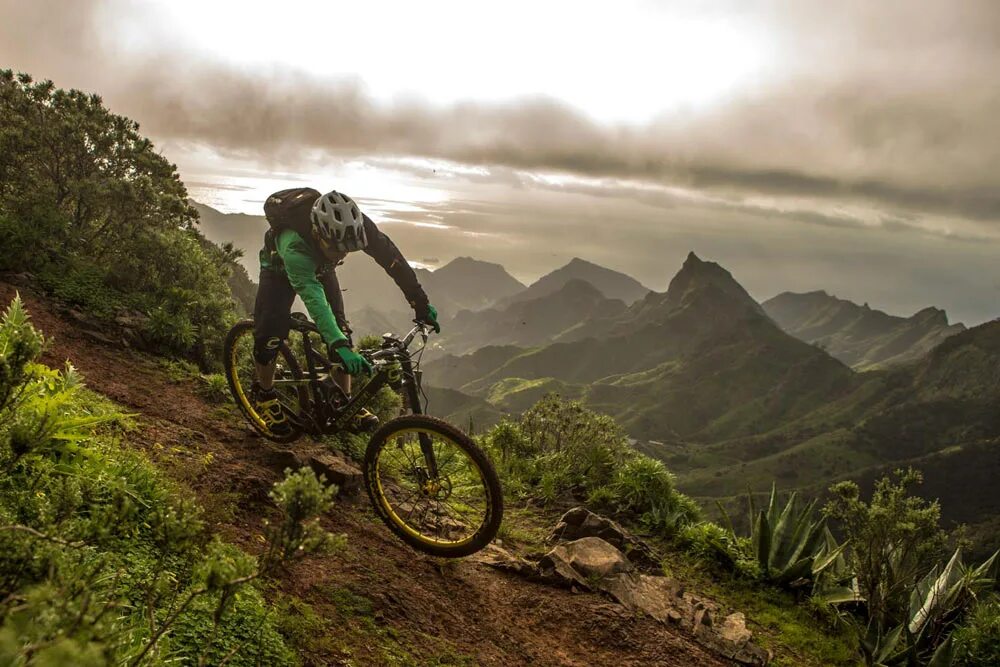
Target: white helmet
337,220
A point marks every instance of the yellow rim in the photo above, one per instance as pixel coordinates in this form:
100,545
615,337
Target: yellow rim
244,401
399,521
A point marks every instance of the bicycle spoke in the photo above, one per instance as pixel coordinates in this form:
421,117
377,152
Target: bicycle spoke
447,508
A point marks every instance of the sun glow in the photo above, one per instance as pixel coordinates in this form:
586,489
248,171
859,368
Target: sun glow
622,65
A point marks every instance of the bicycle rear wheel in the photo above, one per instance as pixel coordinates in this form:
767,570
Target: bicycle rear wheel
432,486
241,372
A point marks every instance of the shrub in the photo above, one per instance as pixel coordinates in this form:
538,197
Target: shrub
894,540
559,451
215,388
977,640
105,220
792,547
713,544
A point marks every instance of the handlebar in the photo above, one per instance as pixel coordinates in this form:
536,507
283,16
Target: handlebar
419,327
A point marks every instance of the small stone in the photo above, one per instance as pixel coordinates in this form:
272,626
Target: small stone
734,628
280,460
336,470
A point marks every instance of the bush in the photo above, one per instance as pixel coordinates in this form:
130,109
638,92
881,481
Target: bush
977,640
215,388
894,540
105,221
713,544
559,451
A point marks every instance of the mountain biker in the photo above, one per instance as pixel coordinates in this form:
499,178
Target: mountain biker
310,235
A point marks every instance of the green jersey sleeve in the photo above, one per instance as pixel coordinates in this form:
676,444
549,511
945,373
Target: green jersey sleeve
300,266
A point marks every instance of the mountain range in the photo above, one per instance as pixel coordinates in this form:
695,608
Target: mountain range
700,361
860,336
708,382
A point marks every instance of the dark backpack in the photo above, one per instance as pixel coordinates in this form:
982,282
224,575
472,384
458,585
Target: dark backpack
290,209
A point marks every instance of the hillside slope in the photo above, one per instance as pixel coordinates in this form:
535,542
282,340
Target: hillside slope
568,310
938,415
377,600
861,337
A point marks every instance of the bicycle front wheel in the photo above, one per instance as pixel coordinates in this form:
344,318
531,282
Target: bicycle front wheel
432,486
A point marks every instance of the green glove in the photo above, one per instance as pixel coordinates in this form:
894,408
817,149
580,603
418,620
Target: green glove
428,314
353,362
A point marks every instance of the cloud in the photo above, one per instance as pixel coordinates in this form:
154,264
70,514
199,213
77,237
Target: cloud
871,127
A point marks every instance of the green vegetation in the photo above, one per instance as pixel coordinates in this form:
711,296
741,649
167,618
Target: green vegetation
101,220
792,549
102,559
977,640
913,601
896,539
887,590
559,451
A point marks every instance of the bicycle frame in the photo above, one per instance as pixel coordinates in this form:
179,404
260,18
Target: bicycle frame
327,408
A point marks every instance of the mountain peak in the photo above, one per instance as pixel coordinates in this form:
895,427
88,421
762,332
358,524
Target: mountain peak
612,284
931,315
698,277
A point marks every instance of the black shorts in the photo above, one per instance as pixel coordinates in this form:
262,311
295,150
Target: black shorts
271,311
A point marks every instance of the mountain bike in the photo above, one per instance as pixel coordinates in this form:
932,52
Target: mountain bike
429,482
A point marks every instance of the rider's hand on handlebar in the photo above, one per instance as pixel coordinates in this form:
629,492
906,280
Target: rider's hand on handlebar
428,314
352,362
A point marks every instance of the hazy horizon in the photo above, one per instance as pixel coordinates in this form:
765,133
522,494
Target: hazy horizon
854,149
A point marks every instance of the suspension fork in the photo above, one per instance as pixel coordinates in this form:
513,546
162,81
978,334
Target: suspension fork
411,384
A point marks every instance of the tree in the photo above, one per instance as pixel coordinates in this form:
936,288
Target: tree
895,539
88,205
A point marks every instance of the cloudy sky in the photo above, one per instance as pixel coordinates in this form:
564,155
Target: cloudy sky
850,146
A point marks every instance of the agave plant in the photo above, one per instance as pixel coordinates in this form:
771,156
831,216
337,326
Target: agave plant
936,602
792,547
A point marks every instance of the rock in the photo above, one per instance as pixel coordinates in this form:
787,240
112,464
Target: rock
584,561
655,596
734,628
580,522
336,470
495,556
280,460
98,337
132,319
665,600
23,279
593,559
732,640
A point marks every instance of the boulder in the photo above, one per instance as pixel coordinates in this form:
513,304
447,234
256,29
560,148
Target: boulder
580,522
659,597
583,562
593,559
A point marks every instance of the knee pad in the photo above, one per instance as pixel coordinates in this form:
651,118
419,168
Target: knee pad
265,349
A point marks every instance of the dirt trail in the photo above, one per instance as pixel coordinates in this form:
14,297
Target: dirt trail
497,618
